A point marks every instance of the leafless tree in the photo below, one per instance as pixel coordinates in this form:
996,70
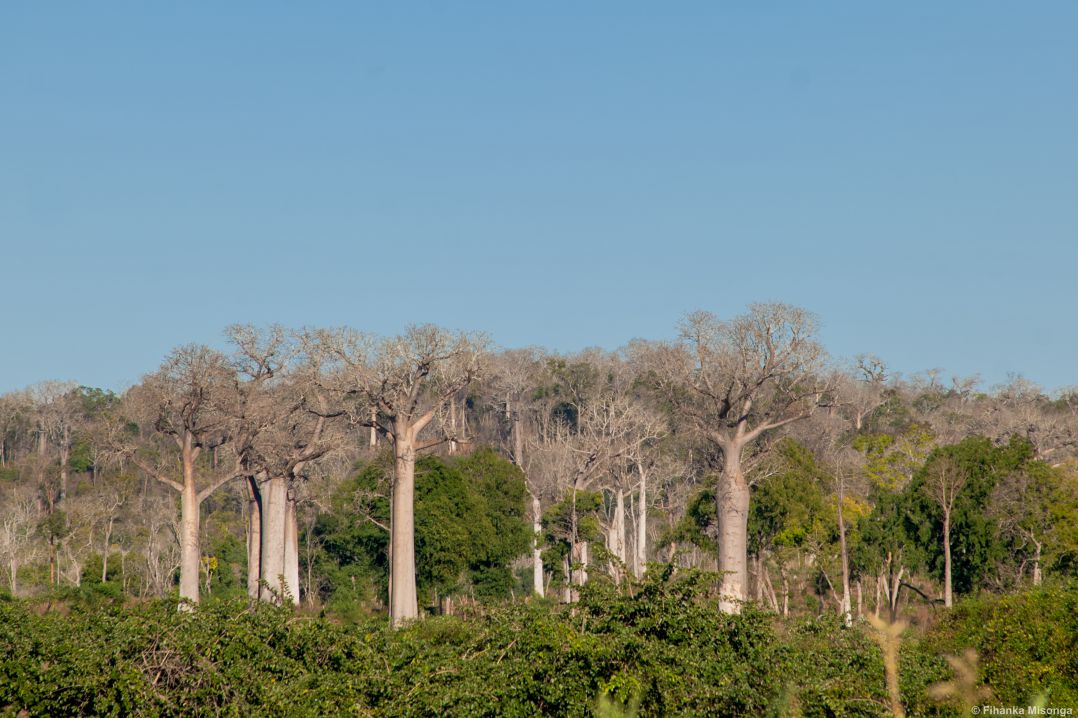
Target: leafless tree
409,380
734,381
181,404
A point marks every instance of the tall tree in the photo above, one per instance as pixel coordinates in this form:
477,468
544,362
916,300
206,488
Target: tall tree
735,381
181,403
409,380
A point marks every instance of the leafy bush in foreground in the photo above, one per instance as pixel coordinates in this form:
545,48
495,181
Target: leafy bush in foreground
665,649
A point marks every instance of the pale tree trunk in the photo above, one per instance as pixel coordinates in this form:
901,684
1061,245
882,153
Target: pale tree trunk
847,617
13,566
274,513
65,456
537,555
105,553
374,430
733,516
567,590
452,427
640,564
190,506
291,552
948,600
1037,564
254,537
617,535
403,602
190,553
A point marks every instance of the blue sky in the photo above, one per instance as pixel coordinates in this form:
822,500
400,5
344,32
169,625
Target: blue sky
555,174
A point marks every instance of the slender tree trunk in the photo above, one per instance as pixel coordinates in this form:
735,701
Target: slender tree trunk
733,515
1037,564
254,537
291,551
274,518
13,566
105,552
847,617
453,427
518,439
537,554
642,526
403,602
947,598
374,431
65,456
618,537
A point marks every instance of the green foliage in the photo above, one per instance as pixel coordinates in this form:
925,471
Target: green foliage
663,651
469,519
789,507
976,543
1027,642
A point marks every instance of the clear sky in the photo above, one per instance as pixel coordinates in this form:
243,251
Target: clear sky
561,174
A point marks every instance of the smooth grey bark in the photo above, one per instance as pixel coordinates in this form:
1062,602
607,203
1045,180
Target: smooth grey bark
254,537
291,550
948,599
733,522
274,518
404,604
845,609
538,585
640,562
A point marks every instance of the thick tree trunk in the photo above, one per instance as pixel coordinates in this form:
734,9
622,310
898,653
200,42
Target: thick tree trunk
274,513
537,555
190,553
374,431
947,598
291,551
733,515
403,605
640,563
254,537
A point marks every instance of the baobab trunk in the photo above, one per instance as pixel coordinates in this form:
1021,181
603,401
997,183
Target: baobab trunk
403,605
733,520
190,554
254,537
537,555
274,512
291,551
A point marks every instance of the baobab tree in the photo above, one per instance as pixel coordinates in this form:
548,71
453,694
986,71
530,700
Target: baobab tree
279,423
735,381
408,380
181,402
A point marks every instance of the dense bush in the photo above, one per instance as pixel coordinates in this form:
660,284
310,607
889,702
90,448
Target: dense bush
664,650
